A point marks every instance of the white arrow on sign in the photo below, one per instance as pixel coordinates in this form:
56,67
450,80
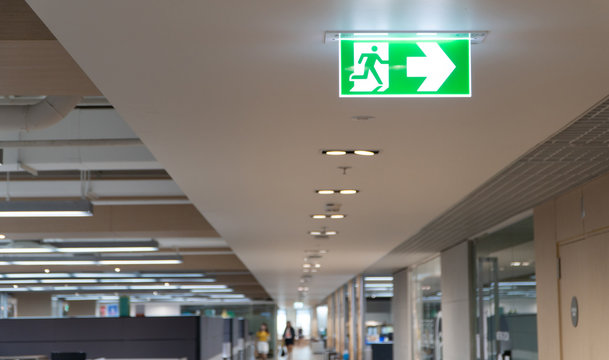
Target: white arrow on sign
435,66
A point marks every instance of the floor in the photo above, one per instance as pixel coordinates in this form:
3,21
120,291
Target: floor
303,353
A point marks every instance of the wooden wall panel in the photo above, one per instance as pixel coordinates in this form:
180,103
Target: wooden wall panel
569,222
546,267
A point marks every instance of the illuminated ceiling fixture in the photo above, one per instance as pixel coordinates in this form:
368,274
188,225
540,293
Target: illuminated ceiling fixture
323,233
334,152
106,246
350,152
342,191
328,216
142,260
88,260
49,208
515,263
2,236
26,248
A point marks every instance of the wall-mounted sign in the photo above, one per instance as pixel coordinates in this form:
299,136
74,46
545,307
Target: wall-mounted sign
405,65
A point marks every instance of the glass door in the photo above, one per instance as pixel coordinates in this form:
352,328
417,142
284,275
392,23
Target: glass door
488,309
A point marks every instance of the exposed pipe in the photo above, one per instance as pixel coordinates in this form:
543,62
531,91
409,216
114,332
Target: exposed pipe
68,142
39,116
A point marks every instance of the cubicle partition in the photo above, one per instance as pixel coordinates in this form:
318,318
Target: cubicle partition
154,337
212,338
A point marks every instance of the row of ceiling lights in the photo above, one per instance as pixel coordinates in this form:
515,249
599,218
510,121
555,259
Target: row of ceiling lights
313,266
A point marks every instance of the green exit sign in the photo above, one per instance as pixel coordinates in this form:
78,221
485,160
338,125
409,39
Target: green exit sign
405,65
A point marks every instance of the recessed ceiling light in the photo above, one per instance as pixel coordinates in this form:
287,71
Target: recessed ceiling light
334,152
341,191
365,152
117,269
350,152
318,265
323,233
306,265
2,236
47,270
329,216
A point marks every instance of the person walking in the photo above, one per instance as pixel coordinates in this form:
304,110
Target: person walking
262,341
288,337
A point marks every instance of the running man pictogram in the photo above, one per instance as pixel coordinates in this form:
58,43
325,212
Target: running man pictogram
370,65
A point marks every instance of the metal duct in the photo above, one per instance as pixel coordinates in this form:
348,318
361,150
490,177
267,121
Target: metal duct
47,112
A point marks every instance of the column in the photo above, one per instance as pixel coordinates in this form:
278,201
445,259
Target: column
360,316
458,302
402,321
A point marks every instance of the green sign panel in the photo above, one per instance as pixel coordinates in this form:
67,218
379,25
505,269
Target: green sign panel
405,65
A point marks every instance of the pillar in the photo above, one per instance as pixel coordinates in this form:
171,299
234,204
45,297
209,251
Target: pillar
400,305
458,302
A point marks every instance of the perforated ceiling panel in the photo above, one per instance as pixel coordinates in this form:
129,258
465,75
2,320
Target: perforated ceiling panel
573,156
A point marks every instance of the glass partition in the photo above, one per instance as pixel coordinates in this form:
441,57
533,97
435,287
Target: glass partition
427,315
506,294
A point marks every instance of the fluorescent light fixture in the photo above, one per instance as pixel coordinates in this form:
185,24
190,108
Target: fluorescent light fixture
25,250
205,280
19,281
36,275
142,261
203,287
348,191
50,208
2,236
384,285
103,275
379,278
171,275
325,192
318,216
153,287
135,280
317,266
12,289
104,288
68,281
107,246
227,296
211,290
515,263
52,262
337,216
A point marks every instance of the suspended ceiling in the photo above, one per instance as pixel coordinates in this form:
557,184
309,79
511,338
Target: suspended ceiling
237,99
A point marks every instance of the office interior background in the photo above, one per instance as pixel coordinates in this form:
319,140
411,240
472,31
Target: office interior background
177,173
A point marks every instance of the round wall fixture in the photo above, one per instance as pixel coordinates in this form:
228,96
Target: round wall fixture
574,311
